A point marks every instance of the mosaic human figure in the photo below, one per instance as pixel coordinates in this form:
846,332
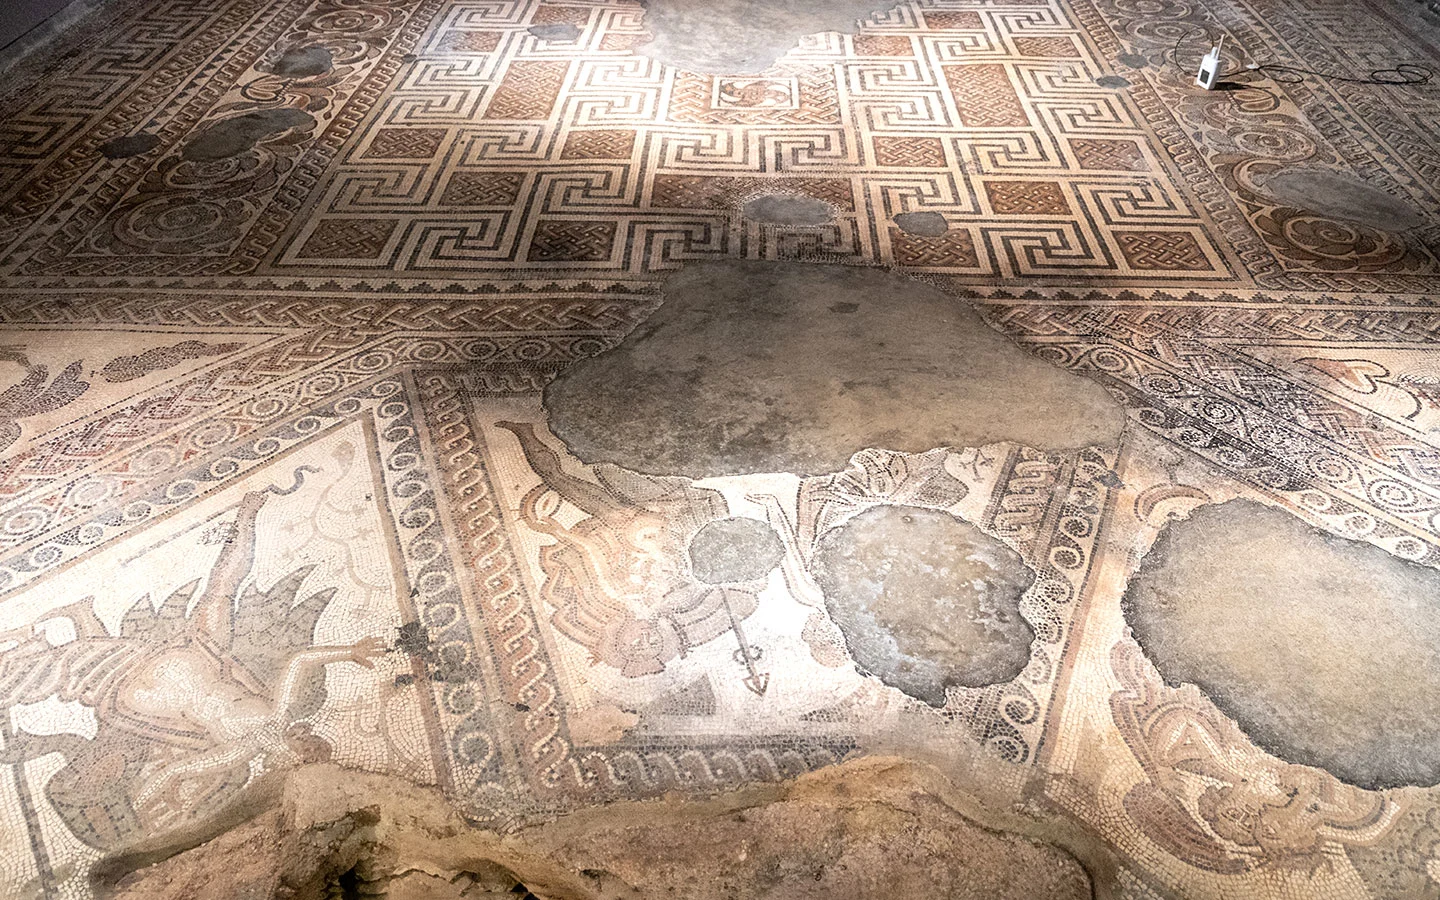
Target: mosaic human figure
619,580
187,695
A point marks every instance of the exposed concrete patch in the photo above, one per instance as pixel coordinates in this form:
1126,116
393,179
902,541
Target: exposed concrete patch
870,829
235,135
21,36
922,224
743,37
1133,60
754,366
555,31
129,145
925,600
1113,81
738,549
1325,651
303,62
788,209
1340,196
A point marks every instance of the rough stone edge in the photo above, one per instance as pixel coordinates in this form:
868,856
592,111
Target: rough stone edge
416,821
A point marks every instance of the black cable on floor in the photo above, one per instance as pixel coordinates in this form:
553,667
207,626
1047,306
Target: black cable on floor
1409,73
1405,73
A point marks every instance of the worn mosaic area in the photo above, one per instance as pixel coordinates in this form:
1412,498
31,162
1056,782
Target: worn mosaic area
283,284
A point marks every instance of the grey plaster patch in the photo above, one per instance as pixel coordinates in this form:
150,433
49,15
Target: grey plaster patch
743,37
924,600
34,28
752,366
238,134
1339,196
1113,81
1325,651
303,62
1133,60
556,31
788,209
924,224
129,145
732,550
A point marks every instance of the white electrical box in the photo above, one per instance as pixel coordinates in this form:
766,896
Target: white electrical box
1210,67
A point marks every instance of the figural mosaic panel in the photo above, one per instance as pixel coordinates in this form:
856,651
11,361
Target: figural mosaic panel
283,282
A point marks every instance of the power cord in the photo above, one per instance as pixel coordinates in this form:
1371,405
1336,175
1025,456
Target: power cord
1403,73
1408,73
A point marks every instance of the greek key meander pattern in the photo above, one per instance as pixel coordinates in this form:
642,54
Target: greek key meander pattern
445,141
320,349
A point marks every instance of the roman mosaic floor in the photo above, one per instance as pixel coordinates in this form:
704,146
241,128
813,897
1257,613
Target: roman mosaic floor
1014,406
